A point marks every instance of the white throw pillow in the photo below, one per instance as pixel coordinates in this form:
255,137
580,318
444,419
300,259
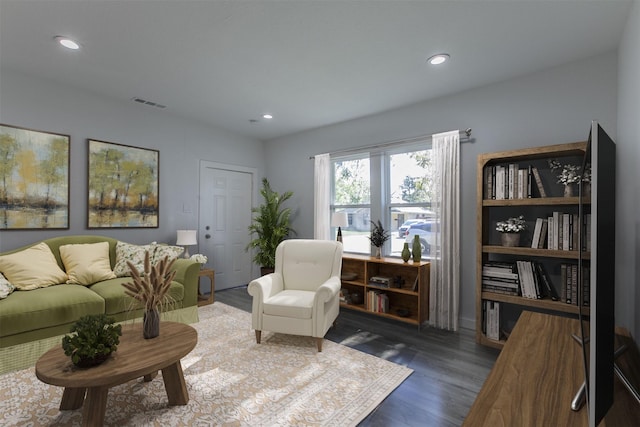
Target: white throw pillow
32,268
86,263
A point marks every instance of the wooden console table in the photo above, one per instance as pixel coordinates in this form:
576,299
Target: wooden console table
537,375
211,274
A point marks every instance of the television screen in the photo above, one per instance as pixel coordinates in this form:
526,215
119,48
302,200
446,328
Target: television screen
600,158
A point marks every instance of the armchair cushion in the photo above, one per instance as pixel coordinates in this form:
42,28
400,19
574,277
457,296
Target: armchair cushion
292,303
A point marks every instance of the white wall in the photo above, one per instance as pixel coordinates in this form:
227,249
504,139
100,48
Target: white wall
47,106
548,107
628,200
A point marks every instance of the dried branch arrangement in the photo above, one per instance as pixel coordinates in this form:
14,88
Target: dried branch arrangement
151,287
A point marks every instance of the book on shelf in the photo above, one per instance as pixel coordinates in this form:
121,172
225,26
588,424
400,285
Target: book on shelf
549,290
492,319
536,176
377,301
542,242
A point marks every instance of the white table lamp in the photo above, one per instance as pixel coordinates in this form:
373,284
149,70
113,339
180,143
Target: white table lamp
187,238
339,219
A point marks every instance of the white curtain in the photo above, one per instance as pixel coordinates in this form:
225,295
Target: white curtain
444,285
322,198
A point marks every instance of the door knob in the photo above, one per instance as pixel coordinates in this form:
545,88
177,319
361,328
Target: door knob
207,236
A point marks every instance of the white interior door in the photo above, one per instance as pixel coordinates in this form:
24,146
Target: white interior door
225,214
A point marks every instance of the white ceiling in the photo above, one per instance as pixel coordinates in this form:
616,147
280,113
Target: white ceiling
310,63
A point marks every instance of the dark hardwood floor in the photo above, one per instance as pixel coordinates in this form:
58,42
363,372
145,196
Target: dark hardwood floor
449,367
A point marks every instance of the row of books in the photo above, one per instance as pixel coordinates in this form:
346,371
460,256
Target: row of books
378,302
521,278
503,182
560,231
491,319
569,278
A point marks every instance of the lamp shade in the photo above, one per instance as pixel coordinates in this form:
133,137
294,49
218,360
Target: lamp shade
339,219
187,238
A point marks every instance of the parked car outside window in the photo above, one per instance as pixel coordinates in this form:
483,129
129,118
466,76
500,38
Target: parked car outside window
426,232
402,230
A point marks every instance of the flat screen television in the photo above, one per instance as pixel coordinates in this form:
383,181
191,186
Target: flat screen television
600,157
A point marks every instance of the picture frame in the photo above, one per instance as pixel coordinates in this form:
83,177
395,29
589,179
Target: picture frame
34,179
122,186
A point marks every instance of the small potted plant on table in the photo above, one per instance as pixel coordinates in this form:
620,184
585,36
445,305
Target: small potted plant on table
94,337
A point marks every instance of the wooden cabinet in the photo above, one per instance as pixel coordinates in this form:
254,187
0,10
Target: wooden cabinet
407,293
531,206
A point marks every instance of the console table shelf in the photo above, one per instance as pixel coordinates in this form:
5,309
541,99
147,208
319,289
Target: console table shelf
407,302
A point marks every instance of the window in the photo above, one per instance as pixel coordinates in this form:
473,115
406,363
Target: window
351,192
392,186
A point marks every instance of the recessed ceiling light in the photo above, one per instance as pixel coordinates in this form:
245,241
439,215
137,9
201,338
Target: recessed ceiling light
67,42
438,59
267,116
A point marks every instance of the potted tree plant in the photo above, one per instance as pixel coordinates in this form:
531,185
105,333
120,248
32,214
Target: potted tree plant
270,226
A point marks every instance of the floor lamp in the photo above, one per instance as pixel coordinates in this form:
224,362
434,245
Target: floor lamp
187,238
339,219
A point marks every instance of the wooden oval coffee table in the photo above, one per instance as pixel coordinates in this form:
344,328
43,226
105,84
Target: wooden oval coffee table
136,357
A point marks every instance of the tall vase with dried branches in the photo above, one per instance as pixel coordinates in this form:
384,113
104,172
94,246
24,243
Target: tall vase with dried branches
150,288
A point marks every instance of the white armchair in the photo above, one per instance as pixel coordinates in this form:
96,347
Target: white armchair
302,295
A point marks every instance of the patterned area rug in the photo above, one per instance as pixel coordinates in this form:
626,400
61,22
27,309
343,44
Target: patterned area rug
232,381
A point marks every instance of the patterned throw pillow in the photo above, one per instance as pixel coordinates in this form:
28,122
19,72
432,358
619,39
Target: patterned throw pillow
132,253
5,287
162,251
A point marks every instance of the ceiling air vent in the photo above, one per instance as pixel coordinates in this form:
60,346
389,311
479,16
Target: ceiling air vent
150,103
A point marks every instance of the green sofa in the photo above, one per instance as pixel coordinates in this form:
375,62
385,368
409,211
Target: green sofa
33,321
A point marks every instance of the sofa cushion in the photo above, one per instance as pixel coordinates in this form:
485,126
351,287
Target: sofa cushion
162,251
87,263
116,301
47,307
290,303
32,268
133,254
5,287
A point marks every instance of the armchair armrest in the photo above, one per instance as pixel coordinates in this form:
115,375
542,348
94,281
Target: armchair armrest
328,290
265,286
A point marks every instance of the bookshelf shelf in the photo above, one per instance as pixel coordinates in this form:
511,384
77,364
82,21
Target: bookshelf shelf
512,183
404,303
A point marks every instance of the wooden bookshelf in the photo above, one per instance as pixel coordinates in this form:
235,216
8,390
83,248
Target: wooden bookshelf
408,301
531,206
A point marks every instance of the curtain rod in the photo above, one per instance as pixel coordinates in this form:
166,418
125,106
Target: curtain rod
465,136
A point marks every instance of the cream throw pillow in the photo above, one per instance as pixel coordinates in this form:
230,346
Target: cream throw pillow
32,268
86,263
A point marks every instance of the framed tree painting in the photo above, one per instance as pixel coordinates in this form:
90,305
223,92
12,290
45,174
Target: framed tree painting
123,186
34,179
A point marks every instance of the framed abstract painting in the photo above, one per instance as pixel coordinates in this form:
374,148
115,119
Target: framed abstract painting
34,179
123,186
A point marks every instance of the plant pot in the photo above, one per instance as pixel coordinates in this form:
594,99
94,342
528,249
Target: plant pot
151,324
266,270
568,190
378,252
510,239
90,362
